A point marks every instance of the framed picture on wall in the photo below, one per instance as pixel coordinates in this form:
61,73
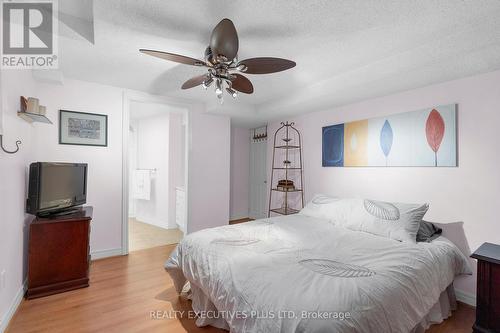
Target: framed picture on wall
84,129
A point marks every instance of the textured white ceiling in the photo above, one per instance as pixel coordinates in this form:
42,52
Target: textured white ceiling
345,50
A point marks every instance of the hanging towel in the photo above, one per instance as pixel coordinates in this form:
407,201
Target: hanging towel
142,184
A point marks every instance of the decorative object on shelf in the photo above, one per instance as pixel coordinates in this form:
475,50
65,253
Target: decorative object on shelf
420,138
18,142
222,64
32,111
260,136
84,129
290,182
285,185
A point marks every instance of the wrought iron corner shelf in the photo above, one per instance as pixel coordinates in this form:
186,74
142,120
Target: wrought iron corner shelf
283,190
293,148
284,211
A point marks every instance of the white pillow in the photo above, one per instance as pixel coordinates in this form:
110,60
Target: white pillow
319,206
399,221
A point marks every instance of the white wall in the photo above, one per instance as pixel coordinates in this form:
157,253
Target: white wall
209,171
469,193
105,165
40,142
132,165
13,173
240,170
153,153
177,151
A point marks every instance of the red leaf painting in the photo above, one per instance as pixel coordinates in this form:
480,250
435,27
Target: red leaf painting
434,130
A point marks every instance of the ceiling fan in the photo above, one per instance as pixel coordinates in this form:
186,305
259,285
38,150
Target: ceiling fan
221,60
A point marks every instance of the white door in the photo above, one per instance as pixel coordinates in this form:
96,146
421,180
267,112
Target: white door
258,179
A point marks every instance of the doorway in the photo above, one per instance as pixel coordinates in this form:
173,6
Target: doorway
156,170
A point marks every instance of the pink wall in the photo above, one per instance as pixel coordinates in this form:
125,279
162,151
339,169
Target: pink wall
466,198
240,170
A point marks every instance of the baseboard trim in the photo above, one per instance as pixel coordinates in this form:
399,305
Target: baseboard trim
4,323
101,254
465,297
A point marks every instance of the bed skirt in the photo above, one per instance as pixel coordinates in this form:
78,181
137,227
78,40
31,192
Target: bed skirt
438,313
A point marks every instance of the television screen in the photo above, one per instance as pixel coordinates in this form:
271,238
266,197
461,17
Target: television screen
56,186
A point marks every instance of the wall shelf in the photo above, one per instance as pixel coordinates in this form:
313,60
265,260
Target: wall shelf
31,111
287,147
285,211
33,117
290,190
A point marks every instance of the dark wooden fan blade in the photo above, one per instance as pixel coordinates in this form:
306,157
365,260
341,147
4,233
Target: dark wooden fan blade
224,39
174,57
266,65
242,84
194,81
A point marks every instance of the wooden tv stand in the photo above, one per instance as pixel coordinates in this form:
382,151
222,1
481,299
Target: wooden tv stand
58,258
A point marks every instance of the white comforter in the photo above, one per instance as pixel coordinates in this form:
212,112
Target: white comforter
302,274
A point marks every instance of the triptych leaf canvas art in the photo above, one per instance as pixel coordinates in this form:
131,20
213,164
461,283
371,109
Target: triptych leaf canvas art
419,138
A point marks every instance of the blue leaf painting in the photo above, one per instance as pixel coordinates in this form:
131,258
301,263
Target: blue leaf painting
333,146
386,137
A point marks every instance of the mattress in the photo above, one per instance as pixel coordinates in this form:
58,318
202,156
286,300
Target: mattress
303,274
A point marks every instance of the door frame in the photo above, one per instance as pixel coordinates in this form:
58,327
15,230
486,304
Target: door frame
132,96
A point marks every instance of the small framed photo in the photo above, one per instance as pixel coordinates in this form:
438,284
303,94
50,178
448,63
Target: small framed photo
84,129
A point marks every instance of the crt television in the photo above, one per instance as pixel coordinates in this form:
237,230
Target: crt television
56,187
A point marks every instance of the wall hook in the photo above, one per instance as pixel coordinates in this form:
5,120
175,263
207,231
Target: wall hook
8,151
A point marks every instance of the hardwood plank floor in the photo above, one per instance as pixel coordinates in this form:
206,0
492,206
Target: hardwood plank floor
246,219
124,290
144,236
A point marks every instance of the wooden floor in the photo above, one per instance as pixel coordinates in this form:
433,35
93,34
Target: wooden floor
124,290
246,219
144,236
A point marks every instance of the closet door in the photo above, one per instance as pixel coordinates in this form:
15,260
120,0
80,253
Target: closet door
258,179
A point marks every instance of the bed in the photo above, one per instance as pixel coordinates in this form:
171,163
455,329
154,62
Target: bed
305,274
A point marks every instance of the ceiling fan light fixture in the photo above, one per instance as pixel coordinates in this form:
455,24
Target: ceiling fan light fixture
207,82
220,59
232,92
220,97
241,67
218,87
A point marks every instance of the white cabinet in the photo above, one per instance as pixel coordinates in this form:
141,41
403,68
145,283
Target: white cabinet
180,208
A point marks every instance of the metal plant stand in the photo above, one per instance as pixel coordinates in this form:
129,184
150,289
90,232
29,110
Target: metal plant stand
290,185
